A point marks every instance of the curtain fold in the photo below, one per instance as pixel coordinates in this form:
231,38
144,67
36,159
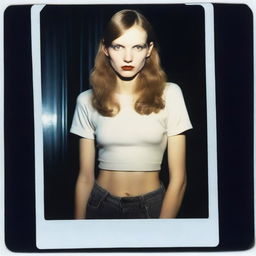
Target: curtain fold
69,41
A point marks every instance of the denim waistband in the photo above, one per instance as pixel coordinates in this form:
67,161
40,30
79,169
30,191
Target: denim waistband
126,200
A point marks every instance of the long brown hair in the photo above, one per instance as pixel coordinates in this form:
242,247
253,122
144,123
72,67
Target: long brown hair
151,79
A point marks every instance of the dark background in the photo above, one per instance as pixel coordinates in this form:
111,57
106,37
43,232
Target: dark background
70,36
182,57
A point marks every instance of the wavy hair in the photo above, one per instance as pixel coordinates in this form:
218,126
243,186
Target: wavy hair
151,79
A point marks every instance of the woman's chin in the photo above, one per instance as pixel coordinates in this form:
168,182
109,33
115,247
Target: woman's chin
126,76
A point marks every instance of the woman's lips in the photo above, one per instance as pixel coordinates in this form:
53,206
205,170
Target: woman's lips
127,68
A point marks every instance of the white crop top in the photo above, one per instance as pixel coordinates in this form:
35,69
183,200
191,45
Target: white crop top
130,141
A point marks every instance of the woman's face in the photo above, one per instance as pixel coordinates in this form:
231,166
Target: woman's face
128,52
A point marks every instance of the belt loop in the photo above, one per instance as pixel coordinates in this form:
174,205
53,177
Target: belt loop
142,201
144,205
120,205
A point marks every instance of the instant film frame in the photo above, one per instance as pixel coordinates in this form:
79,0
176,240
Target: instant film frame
183,232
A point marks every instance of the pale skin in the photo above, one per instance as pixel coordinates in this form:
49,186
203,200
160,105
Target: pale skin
129,49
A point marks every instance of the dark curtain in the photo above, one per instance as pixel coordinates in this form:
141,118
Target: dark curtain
69,42
69,38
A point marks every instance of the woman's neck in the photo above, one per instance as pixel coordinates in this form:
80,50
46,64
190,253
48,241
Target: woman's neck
126,87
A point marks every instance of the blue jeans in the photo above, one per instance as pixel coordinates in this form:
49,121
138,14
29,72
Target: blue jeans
103,205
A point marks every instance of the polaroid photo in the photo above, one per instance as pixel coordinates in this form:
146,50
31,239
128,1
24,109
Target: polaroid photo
52,35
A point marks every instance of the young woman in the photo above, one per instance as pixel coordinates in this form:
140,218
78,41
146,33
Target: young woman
130,116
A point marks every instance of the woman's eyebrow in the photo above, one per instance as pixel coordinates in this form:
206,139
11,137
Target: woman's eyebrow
140,44
117,44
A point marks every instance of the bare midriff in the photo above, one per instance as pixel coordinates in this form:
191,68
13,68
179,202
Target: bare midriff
128,183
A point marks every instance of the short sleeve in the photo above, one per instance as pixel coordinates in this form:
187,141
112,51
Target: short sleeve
178,119
82,124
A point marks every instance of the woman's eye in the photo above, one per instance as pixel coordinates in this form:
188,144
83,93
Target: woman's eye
116,47
138,47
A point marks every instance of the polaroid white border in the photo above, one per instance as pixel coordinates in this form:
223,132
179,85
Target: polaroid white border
64,234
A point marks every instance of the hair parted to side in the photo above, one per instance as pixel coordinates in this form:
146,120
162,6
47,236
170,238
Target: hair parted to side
151,79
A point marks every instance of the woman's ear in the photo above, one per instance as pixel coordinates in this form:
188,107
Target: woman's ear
105,50
151,45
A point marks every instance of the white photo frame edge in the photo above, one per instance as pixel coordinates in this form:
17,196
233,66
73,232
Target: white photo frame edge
61,234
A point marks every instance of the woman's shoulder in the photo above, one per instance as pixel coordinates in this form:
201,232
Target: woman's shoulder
172,89
85,97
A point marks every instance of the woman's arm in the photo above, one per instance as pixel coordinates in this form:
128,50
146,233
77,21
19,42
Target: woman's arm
177,172
85,180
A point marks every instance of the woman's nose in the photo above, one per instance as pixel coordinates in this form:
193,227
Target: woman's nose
128,56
